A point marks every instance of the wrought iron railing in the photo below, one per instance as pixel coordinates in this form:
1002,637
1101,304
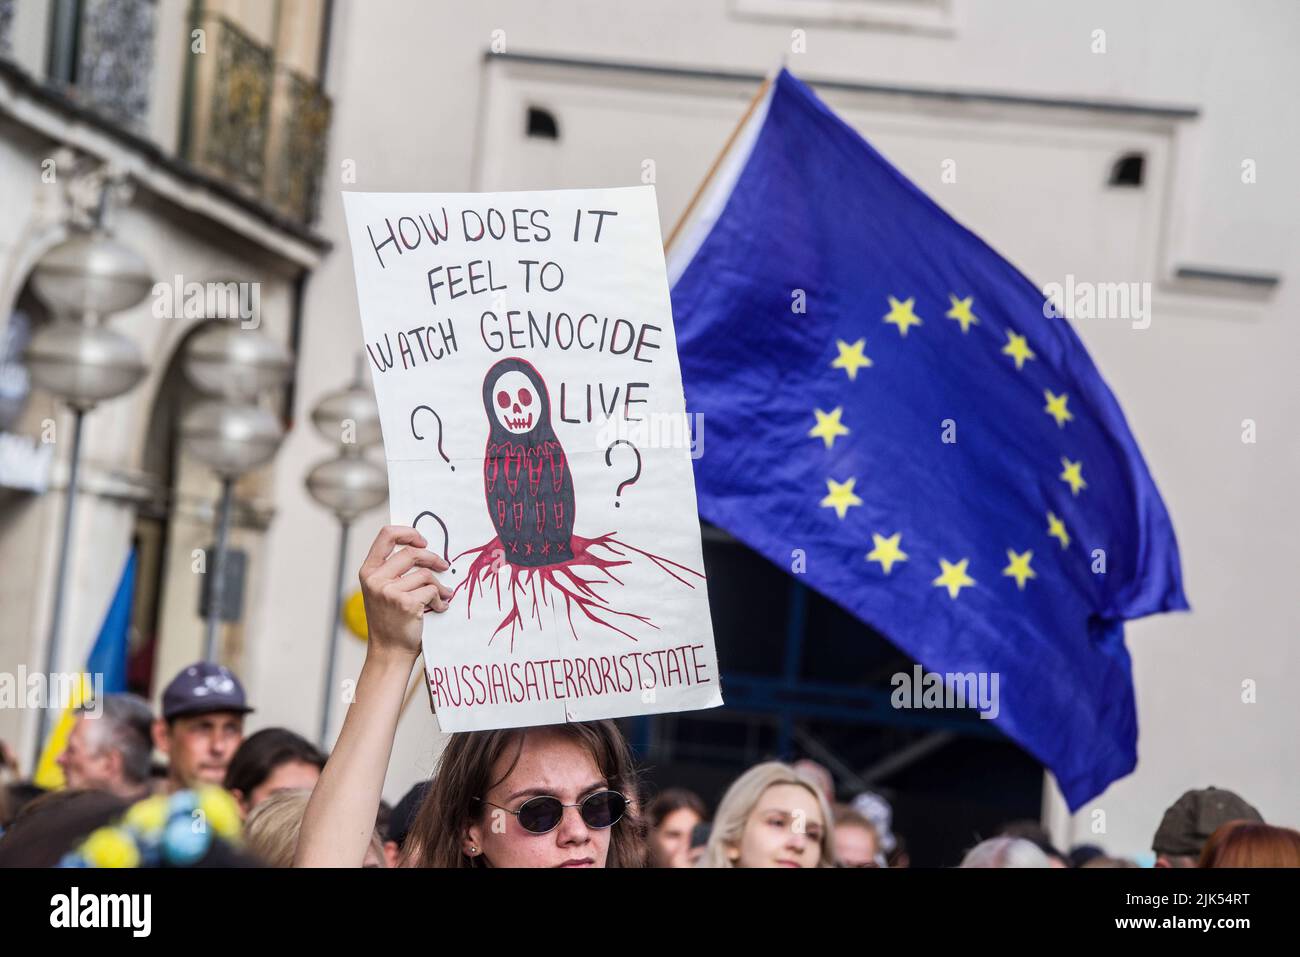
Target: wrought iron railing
300,160
238,111
101,54
115,57
258,124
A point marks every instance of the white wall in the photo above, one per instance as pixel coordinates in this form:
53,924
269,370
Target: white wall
408,80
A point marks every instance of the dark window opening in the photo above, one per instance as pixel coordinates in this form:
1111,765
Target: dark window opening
542,124
1128,170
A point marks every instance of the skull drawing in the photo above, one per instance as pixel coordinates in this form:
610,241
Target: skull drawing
515,402
526,478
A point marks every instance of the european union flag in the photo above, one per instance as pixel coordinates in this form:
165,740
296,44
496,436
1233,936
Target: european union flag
884,392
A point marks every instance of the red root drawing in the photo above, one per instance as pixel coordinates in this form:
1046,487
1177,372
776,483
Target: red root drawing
530,589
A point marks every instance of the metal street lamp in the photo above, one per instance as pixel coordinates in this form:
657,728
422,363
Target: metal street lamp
91,275
232,438
83,365
235,363
347,485
231,434
83,279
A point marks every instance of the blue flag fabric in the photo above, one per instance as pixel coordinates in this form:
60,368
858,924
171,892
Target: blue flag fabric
885,393
109,654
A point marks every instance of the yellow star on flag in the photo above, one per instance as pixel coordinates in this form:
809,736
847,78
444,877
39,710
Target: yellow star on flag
886,551
851,358
1056,407
901,315
1073,475
961,311
1056,529
1019,568
1018,348
840,496
953,576
828,426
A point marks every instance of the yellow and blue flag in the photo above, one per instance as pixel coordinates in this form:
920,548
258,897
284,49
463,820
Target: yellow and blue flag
885,393
105,672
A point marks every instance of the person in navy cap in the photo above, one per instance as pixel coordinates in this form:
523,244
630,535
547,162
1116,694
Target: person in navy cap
202,724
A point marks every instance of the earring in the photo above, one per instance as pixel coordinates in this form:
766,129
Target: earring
473,850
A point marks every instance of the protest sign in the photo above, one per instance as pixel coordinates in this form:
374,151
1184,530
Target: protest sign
523,355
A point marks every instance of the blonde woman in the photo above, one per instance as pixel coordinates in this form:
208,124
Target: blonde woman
771,816
271,832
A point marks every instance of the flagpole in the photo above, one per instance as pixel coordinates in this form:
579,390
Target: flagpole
717,161
61,575
217,591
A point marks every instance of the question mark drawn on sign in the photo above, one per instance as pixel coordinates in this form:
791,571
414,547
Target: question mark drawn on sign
446,536
609,452
421,437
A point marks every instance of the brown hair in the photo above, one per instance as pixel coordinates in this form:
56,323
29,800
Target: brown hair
1210,849
675,799
465,772
260,754
1246,844
55,823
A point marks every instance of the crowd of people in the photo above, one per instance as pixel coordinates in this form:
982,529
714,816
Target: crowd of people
553,796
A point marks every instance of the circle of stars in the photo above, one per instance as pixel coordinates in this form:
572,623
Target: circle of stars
887,551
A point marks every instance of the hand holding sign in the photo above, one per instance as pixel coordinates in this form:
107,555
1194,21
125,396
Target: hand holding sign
399,586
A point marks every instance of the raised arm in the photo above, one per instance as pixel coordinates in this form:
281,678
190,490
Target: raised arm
399,588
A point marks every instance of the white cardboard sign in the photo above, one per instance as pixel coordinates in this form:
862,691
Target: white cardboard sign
524,360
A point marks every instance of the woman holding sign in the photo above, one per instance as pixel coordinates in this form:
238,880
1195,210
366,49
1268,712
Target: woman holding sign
551,796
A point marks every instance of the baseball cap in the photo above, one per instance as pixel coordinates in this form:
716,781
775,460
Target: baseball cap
202,688
1190,820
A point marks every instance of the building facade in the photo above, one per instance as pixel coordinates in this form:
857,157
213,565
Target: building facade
214,116
1099,145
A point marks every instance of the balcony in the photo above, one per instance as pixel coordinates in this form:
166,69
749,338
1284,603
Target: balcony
256,123
101,55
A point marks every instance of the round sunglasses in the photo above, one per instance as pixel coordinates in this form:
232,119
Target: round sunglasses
543,813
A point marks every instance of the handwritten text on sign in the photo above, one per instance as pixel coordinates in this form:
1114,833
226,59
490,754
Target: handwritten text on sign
524,360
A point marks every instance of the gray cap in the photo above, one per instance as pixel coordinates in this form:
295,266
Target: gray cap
1190,821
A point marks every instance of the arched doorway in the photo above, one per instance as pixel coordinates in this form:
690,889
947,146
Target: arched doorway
173,536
